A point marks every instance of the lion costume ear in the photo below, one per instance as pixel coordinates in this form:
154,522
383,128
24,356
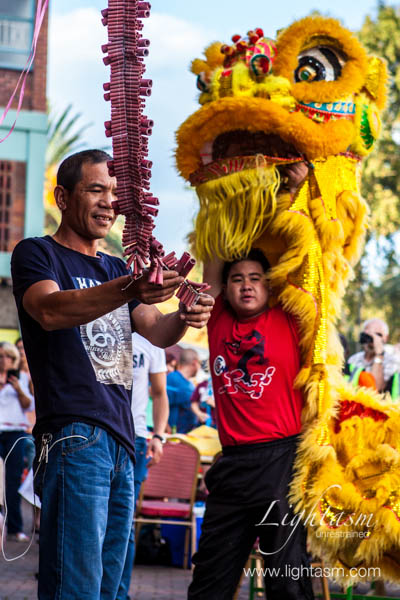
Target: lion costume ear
376,81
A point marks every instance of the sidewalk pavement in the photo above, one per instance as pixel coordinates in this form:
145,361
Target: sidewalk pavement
18,581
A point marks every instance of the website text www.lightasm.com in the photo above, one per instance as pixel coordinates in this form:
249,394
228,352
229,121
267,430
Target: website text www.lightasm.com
297,573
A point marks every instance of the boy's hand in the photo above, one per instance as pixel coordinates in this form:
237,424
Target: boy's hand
296,174
197,315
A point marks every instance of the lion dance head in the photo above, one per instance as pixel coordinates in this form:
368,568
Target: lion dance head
312,95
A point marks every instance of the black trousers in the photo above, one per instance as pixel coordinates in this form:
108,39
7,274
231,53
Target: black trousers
248,489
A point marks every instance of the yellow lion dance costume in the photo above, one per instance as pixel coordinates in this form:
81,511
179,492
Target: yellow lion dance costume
312,95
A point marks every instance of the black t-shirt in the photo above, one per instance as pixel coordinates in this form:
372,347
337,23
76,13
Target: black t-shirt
82,373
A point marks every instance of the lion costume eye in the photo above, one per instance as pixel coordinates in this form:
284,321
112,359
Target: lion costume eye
319,64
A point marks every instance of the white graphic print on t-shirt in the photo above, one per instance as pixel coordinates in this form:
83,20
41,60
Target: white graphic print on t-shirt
108,342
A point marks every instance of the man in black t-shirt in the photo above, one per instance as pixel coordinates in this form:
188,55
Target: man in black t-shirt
77,309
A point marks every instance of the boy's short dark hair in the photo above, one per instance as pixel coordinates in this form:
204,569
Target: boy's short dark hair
254,254
70,170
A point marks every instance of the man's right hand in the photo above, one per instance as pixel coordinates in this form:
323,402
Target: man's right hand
150,293
378,345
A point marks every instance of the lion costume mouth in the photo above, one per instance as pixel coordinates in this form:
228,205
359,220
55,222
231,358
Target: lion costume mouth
245,143
238,150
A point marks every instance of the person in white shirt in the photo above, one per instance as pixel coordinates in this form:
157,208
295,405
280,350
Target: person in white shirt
15,401
149,368
377,357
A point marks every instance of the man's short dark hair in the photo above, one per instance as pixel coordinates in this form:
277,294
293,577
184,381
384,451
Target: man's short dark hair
70,170
254,254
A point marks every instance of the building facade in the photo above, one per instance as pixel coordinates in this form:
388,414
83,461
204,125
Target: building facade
22,154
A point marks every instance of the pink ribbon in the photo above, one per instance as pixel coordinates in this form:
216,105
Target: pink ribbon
40,13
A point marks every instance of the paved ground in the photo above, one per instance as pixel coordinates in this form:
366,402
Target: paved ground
18,582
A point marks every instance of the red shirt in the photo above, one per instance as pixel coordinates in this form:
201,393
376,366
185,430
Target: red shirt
254,363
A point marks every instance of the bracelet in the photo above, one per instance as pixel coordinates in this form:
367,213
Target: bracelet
159,437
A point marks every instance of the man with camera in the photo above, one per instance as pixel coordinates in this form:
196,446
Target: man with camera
377,357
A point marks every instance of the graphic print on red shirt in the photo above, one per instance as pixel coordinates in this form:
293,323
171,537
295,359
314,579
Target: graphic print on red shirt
254,363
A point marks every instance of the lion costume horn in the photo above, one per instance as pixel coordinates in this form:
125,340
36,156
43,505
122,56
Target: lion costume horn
312,95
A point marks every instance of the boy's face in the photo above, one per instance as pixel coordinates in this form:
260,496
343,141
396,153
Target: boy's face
246,289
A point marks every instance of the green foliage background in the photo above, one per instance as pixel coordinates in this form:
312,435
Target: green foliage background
375,291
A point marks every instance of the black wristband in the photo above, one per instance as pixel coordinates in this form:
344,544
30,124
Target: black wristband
159,437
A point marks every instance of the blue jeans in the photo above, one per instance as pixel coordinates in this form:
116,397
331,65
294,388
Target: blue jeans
140,476
87,497
29,451
14,468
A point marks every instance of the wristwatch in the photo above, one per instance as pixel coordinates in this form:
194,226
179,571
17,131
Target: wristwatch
159,437
378,361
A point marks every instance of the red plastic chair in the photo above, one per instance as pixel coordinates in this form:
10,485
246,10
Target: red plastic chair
169,491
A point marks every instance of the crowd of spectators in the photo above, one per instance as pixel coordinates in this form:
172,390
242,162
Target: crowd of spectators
16,410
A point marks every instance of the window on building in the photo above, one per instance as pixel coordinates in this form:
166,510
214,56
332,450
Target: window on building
12,203
16,31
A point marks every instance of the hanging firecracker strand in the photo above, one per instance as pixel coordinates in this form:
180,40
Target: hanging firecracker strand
130,129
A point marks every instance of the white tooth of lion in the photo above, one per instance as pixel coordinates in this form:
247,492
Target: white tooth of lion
206,153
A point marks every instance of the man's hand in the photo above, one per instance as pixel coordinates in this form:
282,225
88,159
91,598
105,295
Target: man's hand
378,345
203,417
296,174
210,400
197,315
24,401
14,381
154,451
149,293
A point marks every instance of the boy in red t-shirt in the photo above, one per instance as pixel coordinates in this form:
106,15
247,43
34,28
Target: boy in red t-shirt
254,360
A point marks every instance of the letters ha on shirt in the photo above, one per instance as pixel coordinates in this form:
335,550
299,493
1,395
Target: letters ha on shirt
108,342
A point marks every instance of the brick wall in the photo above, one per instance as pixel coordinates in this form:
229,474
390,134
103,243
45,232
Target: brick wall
35,90
12,203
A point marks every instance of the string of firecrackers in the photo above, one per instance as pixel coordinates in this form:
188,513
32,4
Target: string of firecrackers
130,129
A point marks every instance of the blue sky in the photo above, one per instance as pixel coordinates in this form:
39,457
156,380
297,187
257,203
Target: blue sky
179,30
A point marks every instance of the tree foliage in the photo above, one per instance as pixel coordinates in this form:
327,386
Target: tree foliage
379,295
63,137
381,172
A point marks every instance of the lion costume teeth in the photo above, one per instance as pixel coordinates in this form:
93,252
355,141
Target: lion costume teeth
313,95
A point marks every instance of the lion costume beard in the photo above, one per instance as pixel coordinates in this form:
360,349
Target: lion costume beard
235,210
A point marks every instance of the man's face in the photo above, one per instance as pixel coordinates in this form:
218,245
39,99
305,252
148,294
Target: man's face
375,328
88,210
246,290
195,367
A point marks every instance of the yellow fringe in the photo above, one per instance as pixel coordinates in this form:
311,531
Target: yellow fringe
234,211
